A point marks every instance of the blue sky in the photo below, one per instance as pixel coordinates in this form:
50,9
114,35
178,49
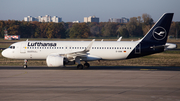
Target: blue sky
71,10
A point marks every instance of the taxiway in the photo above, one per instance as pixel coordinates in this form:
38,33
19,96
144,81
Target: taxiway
107,83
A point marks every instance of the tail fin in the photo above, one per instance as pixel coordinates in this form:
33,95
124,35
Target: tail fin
159,32
154,41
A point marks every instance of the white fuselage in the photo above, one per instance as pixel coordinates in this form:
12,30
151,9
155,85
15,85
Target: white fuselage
105,50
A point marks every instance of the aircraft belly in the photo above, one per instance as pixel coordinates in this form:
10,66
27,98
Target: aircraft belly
114,57
111,55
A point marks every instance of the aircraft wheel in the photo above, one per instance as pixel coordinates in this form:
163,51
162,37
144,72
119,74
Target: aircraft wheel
86,65
25,66
79,66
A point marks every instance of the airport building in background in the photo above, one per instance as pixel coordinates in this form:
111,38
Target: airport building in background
45,18
122,20
10,37
91,19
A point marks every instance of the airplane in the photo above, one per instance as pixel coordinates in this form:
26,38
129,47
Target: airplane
61,53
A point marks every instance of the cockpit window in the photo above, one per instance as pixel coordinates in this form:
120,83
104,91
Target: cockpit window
12,47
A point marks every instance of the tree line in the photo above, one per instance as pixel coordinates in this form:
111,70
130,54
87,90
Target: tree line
136,27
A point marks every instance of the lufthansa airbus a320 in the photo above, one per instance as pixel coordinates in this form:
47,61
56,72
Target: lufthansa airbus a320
61,53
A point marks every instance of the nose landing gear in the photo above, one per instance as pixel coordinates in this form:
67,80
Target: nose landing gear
25,63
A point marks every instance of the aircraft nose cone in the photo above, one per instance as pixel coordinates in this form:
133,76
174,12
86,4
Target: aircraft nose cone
4,53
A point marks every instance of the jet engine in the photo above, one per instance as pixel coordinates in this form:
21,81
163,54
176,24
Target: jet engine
55,61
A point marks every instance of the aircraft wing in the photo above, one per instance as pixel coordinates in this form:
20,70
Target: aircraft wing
167,46
73,55
170,46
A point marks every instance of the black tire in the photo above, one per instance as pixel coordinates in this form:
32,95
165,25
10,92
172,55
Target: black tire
86,65
80,66
25,66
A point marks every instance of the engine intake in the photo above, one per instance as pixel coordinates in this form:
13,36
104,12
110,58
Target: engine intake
55,61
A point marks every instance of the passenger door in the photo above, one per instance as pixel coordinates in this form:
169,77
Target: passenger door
23,48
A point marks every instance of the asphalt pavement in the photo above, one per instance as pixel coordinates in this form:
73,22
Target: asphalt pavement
98,83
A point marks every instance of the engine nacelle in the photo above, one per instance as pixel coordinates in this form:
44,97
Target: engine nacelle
55,61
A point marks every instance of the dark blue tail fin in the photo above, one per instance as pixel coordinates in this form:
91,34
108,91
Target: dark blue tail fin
159,32
154,41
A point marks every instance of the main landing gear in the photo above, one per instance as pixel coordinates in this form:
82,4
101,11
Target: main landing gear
86,65
80,66
25,63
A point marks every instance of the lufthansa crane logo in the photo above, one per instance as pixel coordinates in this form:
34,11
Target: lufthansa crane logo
159,33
